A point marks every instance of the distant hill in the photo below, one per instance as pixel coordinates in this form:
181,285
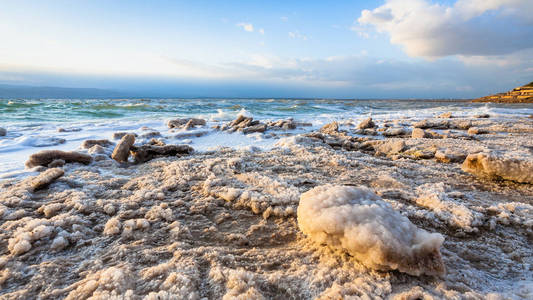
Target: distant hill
22,91
522,94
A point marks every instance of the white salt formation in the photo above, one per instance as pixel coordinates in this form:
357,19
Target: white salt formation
222,223
357,221
493,165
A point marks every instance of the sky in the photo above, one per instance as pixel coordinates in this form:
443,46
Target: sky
338,49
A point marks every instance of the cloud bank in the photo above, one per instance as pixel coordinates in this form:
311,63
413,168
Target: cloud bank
469,27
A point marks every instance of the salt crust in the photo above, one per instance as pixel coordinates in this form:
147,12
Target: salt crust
358,221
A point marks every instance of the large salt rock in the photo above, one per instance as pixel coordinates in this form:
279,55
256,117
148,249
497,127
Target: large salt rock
357,221
45,157
493,165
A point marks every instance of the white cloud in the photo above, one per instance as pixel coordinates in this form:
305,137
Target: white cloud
469,27
246,26
284,19
297,35
261,31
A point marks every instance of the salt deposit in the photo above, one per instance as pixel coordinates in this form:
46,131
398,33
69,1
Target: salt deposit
221,222
497,165
357,221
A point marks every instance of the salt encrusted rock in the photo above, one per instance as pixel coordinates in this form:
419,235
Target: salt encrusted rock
446,115
189,125
420,152
112,227
394,132
447,156
419,133
119,135
56,163
389,147
494,166
330,128
45,157
436,124
96,149
156,142
122,149
68,129
147,152
87,144
461,124
255,128
244,125
46,178
178,123
482,116
477,130
366,123
283,124
195,133
150,134
59,243
357,221
3,131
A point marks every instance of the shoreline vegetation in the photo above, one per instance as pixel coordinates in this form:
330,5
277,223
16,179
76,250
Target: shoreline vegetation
522,94
380,209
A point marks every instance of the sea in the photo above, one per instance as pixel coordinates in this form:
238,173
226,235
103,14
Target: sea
38,124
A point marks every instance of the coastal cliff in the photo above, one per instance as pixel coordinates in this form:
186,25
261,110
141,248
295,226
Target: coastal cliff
522,94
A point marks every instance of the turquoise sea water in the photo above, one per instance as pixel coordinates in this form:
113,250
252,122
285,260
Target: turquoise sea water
37,124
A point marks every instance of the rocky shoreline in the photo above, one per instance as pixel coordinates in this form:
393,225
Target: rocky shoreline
156,221
522,94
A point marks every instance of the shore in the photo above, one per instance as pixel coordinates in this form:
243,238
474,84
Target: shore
222,224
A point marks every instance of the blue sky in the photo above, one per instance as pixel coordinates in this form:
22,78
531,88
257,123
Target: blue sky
349,49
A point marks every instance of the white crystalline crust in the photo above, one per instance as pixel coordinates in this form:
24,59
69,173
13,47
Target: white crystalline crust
357,221
519,169
223,224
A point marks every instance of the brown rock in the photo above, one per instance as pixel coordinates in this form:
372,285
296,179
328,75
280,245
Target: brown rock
446,115
436,124
150,134
482,116
367,123
394,132
122,150
477,130
331,128
145,153
119,135
87,144
56,163
45,157
389,147
178,123
156,142
255,128
238,120
419,133
449,157
46,178
96,149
